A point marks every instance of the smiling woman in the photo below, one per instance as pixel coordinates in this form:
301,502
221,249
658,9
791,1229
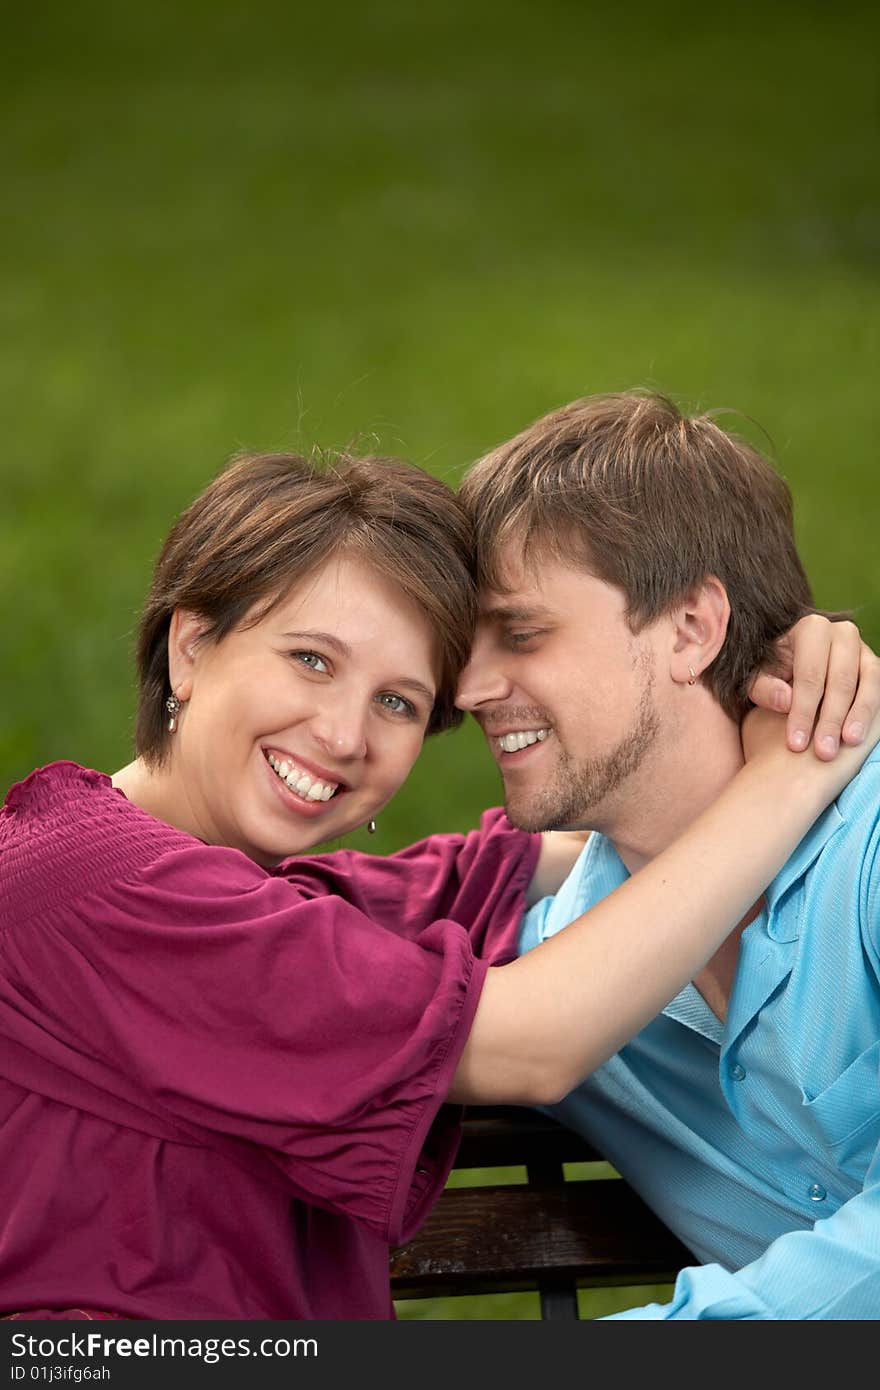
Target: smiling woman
324,700
224,1063
307,654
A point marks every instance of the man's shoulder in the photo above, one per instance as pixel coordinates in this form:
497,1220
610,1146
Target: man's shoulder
845,882
859,804
839,858
842,842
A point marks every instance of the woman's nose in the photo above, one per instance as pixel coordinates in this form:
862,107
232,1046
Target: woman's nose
341,732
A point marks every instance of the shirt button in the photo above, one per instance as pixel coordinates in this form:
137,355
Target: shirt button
816,1192
737,1072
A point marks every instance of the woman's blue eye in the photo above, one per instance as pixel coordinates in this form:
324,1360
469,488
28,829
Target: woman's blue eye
396,704
312,660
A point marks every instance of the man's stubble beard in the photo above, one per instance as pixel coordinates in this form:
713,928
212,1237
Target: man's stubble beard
572,799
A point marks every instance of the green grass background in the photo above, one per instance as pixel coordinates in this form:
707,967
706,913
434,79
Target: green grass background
266,226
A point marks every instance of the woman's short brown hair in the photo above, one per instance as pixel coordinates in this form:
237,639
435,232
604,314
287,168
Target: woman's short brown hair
268,521
654,502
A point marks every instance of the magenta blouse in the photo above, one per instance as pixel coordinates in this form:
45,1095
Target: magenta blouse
221,1089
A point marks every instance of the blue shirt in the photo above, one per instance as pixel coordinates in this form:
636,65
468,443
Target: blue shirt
758,1140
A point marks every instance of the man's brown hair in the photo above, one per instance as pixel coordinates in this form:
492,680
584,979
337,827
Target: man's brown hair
268,521
654,502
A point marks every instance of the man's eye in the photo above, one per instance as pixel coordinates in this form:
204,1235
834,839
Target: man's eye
521,639
396,704
312,660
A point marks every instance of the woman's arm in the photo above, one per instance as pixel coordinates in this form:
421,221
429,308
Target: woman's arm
547,1020
558,854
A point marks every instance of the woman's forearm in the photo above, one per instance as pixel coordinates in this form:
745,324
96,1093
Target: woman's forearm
559,852
548,1019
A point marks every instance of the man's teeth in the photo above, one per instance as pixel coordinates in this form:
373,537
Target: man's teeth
306,786
511,743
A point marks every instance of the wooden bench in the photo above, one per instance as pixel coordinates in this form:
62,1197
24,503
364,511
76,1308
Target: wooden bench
545,1234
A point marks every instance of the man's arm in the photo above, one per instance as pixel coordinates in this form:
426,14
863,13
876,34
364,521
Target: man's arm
829,1272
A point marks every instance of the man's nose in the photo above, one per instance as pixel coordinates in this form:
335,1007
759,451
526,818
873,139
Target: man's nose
483,678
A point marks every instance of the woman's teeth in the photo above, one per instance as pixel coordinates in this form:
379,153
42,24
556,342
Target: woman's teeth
306,786
511,743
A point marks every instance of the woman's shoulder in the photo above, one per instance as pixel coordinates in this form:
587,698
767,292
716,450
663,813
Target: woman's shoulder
65,829
54,783
68,834
66,794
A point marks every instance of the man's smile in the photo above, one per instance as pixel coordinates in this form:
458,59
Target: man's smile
517,739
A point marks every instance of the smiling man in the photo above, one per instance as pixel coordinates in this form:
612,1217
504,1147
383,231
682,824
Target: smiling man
637,567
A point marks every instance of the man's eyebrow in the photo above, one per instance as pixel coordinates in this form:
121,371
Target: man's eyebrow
329,639
513,613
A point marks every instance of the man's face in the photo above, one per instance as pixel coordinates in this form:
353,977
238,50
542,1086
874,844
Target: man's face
564,693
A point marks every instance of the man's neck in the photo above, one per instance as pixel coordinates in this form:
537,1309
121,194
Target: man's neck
681,777
688,772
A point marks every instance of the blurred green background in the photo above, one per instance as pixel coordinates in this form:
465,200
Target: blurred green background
266,226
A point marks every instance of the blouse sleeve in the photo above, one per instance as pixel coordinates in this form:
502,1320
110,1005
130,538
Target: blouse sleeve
230,1008
478,880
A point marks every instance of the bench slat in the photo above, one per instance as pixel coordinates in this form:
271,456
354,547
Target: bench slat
509,1136
505,1239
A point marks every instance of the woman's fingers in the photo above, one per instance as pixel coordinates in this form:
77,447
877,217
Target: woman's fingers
834,689
867,702
841,679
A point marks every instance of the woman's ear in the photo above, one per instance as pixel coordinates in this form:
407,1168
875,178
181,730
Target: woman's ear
700,627
184,635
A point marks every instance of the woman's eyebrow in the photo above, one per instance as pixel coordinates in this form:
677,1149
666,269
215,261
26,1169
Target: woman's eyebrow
329,639
407,683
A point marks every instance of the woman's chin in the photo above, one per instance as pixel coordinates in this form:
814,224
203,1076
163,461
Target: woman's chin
272,846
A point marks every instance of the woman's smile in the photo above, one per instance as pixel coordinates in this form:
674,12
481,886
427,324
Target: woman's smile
300,785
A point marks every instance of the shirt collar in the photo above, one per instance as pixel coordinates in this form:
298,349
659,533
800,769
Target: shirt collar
797,864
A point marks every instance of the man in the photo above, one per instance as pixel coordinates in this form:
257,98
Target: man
636,568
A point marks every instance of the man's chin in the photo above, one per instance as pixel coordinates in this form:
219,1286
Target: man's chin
537,820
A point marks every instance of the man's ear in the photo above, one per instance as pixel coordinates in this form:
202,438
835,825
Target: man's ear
699,628
184,635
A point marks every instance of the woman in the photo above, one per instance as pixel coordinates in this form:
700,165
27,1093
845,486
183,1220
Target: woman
222,1069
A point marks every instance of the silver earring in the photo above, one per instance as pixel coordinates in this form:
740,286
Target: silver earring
172,704
371,827
693,676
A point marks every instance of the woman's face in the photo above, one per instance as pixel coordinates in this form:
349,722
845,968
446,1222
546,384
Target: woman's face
301,727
